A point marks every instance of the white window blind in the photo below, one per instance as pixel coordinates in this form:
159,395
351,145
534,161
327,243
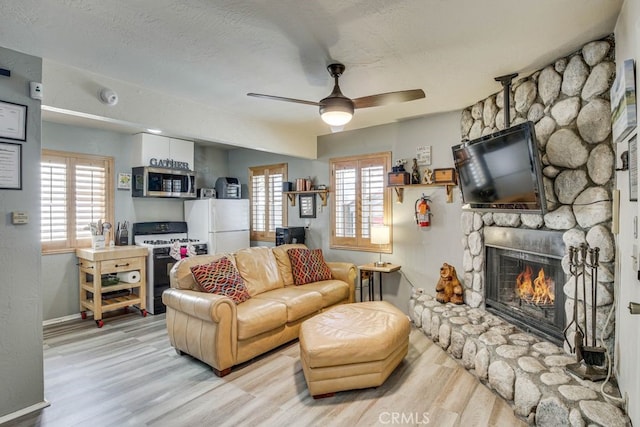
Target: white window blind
268,207
76,190
361,199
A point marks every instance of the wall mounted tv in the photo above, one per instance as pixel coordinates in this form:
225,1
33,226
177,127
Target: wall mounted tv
501,172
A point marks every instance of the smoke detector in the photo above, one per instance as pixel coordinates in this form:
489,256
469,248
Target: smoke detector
108,96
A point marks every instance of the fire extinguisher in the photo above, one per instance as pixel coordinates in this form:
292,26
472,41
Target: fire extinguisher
423,211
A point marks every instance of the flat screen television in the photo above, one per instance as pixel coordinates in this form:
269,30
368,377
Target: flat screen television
501,172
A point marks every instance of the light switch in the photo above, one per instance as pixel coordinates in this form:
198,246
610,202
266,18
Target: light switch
19,217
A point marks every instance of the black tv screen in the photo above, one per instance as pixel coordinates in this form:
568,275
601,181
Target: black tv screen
501,172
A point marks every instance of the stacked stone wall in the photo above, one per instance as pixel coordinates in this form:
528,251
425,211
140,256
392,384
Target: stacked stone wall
568,101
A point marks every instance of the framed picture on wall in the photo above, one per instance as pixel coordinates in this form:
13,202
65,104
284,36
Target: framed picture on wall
10,166
307,203
633,169
13,121
124,181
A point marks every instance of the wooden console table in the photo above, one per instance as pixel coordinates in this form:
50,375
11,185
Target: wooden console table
93,263
369,270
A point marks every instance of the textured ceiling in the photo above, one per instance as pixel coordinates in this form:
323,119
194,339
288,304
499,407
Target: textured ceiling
215,51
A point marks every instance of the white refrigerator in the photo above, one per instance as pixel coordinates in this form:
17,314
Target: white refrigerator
222,223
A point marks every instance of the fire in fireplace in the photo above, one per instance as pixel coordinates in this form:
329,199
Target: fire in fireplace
539,291
523,270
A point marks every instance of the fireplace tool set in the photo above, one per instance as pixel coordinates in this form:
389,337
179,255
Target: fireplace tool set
581,258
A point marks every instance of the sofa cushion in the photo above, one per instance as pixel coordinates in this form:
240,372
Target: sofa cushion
181,276
259,269
300,303
307,265
333,291
222,278
284,262
256,316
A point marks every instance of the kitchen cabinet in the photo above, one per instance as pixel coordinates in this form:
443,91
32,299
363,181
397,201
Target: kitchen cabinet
99,298
147,146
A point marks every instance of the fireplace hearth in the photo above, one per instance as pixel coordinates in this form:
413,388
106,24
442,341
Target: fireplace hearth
524,279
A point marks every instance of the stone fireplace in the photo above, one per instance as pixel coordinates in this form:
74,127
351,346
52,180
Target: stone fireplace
568,101
524,279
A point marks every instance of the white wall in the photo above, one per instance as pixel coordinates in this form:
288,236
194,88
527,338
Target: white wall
627,33
421,252
21,371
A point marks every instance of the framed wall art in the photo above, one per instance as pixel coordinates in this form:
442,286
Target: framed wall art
623,102
13,121
10,166
633,169
124,181
307,203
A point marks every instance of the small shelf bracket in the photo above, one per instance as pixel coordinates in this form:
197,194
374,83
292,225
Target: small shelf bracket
291,195
399,189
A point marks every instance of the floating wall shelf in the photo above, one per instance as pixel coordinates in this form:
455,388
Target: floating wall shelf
292,195
448,186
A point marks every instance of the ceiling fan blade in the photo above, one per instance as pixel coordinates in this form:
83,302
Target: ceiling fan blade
281,98
388,98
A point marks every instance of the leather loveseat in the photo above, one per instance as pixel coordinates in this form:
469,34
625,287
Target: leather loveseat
223,333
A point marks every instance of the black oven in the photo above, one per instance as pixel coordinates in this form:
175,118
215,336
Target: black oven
162,263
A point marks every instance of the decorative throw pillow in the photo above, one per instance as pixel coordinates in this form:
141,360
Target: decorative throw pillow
222,278
307,265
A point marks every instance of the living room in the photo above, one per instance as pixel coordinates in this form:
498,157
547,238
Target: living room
419,253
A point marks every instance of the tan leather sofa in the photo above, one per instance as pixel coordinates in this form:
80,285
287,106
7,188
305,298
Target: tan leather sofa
221,333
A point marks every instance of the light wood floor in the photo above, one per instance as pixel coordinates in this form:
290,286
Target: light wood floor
127,374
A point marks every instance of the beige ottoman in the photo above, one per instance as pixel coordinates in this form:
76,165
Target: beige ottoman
352,346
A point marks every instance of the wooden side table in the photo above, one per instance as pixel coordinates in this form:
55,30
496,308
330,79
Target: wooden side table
369,270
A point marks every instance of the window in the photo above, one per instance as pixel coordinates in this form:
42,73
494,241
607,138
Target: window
268,207
76,189
361,200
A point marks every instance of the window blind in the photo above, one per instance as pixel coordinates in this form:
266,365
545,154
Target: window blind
76,190
268,207
361,199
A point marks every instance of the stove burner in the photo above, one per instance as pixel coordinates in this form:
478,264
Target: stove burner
158,242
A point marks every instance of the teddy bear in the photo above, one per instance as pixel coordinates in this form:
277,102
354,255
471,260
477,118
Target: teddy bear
449,288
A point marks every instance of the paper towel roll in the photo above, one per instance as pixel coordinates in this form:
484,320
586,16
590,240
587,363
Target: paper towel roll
129,276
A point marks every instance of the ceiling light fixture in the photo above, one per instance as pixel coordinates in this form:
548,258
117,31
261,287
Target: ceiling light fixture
336,110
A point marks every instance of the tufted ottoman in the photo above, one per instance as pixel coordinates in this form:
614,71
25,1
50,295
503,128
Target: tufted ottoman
352,346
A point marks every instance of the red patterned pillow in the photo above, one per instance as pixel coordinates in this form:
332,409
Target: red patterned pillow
222,278
307,265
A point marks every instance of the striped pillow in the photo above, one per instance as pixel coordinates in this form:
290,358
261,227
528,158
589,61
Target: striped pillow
307,265
222,278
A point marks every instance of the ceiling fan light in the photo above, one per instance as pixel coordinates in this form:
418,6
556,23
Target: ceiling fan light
336,118
336,111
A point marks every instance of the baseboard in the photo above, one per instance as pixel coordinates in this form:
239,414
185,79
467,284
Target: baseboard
24,411
61,319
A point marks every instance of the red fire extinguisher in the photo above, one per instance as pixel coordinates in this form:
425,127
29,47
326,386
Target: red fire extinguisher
423,212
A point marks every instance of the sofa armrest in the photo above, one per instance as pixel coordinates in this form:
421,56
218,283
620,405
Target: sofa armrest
203,325
203,305
347,272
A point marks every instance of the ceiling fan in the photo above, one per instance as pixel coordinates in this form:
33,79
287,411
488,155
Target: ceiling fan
337,110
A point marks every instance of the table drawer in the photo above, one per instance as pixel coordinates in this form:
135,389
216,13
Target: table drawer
119,265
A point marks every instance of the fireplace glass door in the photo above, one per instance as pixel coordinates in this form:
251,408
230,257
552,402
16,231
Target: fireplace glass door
526,289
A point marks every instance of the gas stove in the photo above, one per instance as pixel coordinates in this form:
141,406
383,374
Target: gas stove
157,243
164,239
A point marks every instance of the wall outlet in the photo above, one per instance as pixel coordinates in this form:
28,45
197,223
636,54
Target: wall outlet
307,224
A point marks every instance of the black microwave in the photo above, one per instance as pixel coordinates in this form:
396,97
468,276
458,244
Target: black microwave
160,182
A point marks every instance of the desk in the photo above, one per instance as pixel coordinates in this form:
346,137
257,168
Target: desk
369,270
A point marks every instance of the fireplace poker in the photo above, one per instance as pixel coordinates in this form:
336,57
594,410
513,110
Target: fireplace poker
593,355
583,264
573,268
